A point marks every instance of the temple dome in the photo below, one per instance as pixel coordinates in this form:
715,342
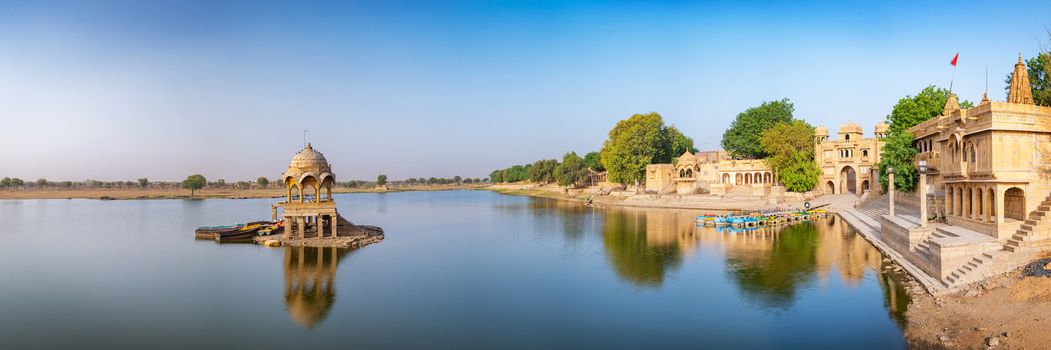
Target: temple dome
881,128
821,131
308,162
850,128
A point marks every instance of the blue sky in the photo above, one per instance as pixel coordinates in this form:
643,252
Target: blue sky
116,90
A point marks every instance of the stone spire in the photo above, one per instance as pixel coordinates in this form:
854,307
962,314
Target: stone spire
951,105
1020,91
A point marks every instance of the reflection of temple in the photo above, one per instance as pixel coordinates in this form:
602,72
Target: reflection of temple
309,277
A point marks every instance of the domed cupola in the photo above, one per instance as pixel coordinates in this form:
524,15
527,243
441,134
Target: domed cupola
820,134
309,169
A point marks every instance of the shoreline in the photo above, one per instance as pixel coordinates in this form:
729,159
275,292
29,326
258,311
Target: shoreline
206,193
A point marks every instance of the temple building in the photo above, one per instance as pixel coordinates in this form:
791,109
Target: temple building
306,208
991,163
712,172
849,164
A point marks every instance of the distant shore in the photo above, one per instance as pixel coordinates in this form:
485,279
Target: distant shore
175,193
598,196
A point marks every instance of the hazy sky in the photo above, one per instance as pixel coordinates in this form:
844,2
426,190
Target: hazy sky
114,90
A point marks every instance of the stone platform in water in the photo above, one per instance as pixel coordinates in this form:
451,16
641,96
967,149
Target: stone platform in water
350,236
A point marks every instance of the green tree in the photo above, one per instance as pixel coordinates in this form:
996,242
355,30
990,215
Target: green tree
381,180
6,182
1039,69
457,179
673,145
790,147
899,152
632,144
543,171
41,183
741,140
593,161
194,182
16,182
143,182
262,181
496,176
571,171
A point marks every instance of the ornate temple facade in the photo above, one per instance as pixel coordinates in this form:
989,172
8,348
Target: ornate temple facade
849,164
992,163
708,172
306,208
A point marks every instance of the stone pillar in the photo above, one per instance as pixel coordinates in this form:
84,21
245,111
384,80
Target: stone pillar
302,226
288,227
890,189
335,226
999,207
273,212
923,200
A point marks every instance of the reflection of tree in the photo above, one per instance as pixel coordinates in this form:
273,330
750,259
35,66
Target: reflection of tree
773,282
624,237
309,277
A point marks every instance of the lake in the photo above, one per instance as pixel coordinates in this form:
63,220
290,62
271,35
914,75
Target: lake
457,270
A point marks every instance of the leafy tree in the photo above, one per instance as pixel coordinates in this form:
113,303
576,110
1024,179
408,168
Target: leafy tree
381,180
790,147
571,171
262,181
543,171
6,182
143,182
41,183
16,182
497,176
673,144
912,110
741,140
593,161
632,144
457,179
194,182
899,152
1039,69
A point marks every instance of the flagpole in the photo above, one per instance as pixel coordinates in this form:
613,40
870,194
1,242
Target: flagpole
952,79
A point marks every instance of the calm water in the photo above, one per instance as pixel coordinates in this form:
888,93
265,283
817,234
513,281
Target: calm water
458,270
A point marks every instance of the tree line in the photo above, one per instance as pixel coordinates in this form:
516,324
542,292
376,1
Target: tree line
572,171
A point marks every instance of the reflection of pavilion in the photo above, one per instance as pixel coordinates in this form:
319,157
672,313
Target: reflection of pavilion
309,277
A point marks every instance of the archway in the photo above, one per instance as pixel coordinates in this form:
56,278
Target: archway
1014,203
689,173
747,178
848,180
864,187
726,178
830,187
738,179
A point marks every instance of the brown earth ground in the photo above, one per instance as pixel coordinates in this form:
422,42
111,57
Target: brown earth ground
173,193
1011,310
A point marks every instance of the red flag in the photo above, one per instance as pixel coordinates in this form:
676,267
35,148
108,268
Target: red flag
954,59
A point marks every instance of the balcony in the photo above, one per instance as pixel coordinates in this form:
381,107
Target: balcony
933,159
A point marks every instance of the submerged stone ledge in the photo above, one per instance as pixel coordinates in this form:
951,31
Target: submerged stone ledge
350,236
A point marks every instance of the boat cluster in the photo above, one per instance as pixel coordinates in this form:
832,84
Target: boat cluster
759,218
239,232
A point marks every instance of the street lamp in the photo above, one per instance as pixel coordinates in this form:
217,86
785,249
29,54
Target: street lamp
890,187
